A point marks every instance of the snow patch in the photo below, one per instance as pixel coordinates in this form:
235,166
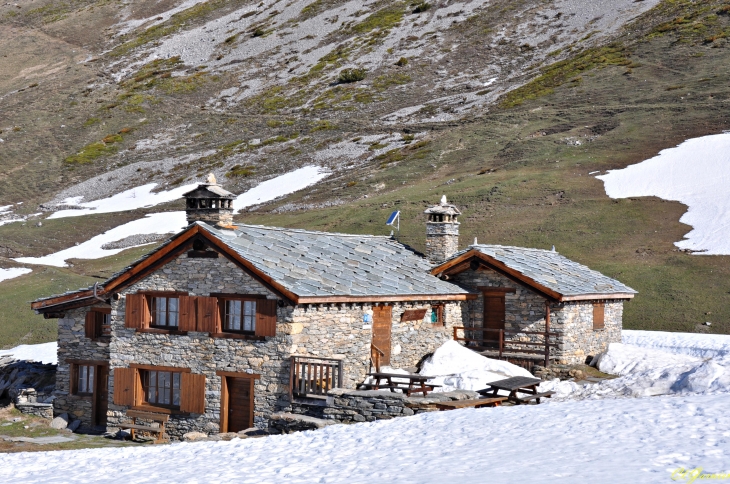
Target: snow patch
280,186
695,173
45,353
693,344
12,272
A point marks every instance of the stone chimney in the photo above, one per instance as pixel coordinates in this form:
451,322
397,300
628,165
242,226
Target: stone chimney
442,231
210,203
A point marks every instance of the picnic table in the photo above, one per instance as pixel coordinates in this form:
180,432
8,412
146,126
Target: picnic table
415,384
515,385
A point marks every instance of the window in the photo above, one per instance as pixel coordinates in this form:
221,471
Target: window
165,311
85,379
598,315
96,319
239,316
161,387
437,314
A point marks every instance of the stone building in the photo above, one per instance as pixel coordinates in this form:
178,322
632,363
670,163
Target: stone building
223,325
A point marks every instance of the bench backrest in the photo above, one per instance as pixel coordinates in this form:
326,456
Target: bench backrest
157,417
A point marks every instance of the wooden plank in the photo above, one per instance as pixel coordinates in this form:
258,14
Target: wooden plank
124,386
209,320
413,315
158,417
266,317
159,368
238,374
188,313
496,290
192,393
382,324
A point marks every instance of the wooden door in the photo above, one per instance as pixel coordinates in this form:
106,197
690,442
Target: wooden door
494,316
100,396
382,319
239,411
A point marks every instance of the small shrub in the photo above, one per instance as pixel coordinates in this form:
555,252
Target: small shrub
323,126
351,75
259,32
407,138
112,138
125,130
351,184
90,122
422,7
402,62
240,171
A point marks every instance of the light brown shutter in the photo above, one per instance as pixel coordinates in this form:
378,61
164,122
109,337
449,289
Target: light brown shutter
188,316
192,394
90,324
209,320
137,311
125,386
598,316
266,317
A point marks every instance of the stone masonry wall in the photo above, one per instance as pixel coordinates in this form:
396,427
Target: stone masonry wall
442,240
525,310
73,344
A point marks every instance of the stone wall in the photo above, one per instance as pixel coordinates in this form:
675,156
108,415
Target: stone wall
351,406
442,241
73,344
525,310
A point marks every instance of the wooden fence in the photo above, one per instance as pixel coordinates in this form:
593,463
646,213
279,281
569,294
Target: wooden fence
312,376
505,344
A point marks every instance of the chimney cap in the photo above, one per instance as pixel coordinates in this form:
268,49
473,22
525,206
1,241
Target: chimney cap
209,190
443,208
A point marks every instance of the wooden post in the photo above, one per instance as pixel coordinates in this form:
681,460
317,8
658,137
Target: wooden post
547,333
501,342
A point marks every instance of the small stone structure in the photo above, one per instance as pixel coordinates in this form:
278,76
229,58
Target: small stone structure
29,385
210,203
442,231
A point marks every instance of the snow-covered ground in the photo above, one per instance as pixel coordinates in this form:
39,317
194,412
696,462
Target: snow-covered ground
693,344
695,173
45,353
12,272
279,186
604,441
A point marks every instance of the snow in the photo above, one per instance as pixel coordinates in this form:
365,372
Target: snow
44,353
603,441
694,344
280,186
12,272
457,367
134,198
156,223
695,173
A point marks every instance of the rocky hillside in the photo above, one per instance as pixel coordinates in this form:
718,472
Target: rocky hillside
506,106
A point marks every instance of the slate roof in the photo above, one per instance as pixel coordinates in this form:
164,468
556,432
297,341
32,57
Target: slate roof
321,264
551,270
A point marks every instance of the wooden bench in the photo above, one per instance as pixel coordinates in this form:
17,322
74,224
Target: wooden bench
159,418
475,403
404,387
536,396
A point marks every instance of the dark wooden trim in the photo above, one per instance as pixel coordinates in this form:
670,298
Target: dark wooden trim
87,362
202,254
160,331
599,297
174,369
234,374
228,295
496,290
102,310
227,335
375,299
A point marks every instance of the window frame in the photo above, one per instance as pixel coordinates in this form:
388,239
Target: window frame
102,317
223,300
152,304
438,308
90,379
144,379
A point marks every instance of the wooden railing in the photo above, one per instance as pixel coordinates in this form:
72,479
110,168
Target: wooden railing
375,355
508,346
312,376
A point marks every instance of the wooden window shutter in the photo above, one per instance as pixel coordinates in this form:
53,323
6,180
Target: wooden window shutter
137,311
192,395
413,315
598,316
266,317
209,319
90,324
188,314
125,386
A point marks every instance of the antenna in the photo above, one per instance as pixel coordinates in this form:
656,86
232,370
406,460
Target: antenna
394,219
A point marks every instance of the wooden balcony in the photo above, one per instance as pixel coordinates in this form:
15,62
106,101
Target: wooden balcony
313,377
506,344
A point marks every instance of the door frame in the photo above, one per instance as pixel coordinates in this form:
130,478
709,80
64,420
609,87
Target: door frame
225,397
501,292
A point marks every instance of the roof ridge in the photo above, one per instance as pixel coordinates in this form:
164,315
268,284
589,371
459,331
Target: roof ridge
515,247
303,231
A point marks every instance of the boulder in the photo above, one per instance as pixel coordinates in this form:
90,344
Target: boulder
60,422
194,436
74,425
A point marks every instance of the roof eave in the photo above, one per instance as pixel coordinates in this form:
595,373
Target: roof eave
389,298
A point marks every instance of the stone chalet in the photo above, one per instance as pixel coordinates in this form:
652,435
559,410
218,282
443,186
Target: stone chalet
222,325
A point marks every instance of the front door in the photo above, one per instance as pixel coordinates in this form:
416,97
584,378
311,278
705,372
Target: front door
100,396
494,316
382,318
240,403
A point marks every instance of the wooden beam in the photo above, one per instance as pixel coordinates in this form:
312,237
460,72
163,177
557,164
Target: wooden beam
496,290
159,368
238,374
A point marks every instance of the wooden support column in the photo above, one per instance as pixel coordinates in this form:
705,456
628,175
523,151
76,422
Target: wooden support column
547,333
